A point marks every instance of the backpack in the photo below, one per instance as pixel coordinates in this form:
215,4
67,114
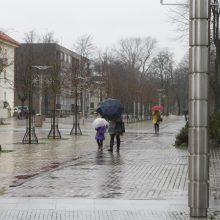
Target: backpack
160,119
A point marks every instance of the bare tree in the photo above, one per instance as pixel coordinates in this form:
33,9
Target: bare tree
56,81
179,17
84,47
28,77
3,58
48,37
162,67
5,61
23,77
31,37
102,67
162,71
136,53
75,84
179,85
24,86
214,57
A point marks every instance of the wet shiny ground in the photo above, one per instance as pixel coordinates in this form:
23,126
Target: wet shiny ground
148,168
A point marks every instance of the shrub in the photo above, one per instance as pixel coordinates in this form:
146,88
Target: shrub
214,130
182,137
214,126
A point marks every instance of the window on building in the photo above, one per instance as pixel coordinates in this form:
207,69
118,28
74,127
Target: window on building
61,56
65,58
58,55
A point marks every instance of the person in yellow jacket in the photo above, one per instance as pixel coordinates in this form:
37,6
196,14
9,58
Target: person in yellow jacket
156,118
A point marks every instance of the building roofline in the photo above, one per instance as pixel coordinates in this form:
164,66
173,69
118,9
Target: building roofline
7,39
58,47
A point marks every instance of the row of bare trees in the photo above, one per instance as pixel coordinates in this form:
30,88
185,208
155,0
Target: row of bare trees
135,70
132,71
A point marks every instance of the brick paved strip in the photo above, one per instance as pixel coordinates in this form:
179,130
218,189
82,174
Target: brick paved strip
99,215
91,215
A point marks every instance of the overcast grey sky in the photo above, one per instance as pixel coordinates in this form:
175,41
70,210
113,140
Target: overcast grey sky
106,20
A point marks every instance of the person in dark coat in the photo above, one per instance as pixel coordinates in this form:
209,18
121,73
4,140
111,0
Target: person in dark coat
185,112
100,136
115,129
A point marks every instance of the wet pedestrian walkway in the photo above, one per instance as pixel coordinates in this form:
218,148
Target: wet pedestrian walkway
146,180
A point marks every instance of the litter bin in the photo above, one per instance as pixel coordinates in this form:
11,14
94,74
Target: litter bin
38,120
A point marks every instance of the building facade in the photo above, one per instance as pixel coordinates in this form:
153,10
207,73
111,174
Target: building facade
58,77
7,51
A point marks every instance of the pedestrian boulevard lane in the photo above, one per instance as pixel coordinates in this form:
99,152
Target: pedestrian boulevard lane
146,180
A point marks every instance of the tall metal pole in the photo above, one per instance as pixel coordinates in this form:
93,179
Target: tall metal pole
76,110
160,97
198,108
40,93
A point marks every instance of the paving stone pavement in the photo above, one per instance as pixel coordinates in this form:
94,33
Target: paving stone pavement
148,169
89,209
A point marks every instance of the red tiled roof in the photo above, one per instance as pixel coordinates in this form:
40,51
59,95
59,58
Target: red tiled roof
8,39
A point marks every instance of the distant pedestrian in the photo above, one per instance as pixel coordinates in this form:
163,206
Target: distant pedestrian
185,112
156,117
116,128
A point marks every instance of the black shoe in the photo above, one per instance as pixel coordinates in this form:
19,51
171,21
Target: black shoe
117,150
110,149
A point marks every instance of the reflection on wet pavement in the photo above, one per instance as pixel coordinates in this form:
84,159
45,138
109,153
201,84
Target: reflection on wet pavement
147,167
139,171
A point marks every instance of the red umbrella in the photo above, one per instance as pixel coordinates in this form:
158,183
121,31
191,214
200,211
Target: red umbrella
157,107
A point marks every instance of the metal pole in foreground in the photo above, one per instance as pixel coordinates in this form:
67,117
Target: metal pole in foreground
198,190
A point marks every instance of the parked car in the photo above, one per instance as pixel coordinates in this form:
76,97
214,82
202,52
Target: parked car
21,112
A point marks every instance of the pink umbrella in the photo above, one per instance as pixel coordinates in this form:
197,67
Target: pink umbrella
157,107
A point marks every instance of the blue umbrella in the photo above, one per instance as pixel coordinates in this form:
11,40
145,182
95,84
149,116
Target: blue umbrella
110,109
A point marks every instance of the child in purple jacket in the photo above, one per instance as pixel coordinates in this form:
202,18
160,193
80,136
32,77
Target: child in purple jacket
100,136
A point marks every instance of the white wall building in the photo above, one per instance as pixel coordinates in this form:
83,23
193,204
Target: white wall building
7,48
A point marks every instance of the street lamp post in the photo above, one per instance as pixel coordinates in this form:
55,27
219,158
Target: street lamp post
30,136
160,91
76,127
41,84
162,3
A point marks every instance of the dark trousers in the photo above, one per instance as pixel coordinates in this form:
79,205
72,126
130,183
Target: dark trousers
112,136
100,144
156,127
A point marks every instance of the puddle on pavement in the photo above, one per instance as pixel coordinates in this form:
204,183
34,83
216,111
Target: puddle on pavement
2,191
6,151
